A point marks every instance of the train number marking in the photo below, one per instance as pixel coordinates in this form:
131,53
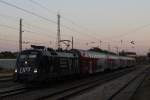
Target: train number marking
24,69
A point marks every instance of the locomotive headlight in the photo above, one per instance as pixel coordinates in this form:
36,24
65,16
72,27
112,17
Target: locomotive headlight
35,70
15,70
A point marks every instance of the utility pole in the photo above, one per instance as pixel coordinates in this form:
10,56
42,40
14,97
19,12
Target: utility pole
58,31
50,42
100,43
121,46
109,48
20,36
72,42
117,50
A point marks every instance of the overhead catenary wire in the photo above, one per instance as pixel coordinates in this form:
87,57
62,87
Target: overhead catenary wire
35,33
26,24
28,40
8,40
130,31
14,18
38,4
34,14
27,11
7,26
11,41
72,29
25,30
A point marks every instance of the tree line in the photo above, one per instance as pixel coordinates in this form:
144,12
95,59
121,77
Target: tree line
8,55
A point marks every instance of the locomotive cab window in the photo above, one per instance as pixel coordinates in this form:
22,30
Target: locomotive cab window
32,56
29,56
26,56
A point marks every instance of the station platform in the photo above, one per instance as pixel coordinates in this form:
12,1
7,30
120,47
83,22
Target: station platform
143,91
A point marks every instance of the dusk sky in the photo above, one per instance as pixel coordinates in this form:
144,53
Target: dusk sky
88,21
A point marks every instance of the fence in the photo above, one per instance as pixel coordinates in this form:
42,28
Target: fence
7,63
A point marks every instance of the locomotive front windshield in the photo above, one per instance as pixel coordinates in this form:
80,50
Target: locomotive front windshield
28,55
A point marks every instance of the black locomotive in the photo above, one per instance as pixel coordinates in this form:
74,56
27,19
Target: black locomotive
40,64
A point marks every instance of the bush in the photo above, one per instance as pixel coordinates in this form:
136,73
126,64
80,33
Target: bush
8,55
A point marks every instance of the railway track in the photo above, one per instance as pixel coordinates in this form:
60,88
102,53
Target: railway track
66,90
122,88
12,91
63,95
130,88
6,82
5,79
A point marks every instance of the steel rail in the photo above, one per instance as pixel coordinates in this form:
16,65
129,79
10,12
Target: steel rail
12,91
74,90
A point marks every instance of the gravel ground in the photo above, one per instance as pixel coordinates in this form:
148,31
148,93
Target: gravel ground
143,92
104,92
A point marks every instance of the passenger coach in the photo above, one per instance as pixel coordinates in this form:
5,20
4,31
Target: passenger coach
40,64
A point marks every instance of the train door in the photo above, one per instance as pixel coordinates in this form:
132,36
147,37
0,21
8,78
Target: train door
95,66
84,66
68,66
90,65
44,68
117,63
63,66
54,66
100,65
74,66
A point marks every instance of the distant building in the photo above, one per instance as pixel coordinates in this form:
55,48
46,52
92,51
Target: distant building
142,59
148,55
129,54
